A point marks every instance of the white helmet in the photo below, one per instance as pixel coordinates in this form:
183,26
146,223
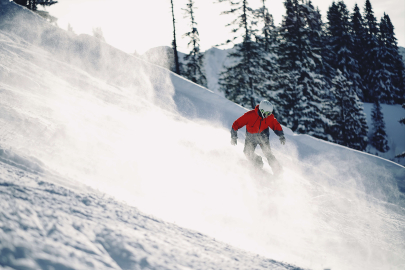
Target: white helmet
266,106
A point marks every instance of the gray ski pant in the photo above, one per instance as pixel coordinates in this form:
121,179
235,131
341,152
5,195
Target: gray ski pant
262,139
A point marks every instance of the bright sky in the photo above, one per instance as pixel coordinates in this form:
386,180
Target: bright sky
138,25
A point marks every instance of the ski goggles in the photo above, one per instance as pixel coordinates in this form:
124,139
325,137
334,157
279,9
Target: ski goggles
265,114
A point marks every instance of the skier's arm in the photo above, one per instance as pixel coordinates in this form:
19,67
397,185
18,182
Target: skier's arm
239,123
278,130
276,127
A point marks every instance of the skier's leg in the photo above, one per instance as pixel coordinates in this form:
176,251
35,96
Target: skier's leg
249,151
271,159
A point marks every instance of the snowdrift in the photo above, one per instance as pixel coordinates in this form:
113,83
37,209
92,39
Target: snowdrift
78,115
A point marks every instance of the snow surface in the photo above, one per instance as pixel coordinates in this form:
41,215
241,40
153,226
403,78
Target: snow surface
48,226
214,61
88,133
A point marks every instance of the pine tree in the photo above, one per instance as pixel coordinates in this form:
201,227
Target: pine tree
287,97
399,80
194,66
241,81
370,59
358,33
397,67
303,92
379,136
174,44
341,42
316,33
268,49
268,26
384,74
327,53
349,120
402,121
311,81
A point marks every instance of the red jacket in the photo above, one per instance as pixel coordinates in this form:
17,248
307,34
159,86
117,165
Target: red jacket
255,124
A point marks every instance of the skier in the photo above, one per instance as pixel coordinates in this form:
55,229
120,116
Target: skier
258,122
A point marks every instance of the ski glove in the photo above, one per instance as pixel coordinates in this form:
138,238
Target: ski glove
282,139
234,141
234,136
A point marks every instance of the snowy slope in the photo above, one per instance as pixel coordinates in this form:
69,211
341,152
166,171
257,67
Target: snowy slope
89,132
47,226
214,61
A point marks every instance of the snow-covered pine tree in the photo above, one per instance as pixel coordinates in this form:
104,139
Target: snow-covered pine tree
397,67
242,80
379,136
194,69
358,34
303,93
383,76
288,96
174,43
349,120
371,57
340,41
315,24
268,29
329,56
327,52
399,80
268,46
402,121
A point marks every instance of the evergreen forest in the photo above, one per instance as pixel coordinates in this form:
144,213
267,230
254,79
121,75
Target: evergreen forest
317,73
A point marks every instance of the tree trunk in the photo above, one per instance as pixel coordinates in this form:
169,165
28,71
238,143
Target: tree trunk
176,56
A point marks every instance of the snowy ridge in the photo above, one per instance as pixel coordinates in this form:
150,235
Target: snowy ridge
86,126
